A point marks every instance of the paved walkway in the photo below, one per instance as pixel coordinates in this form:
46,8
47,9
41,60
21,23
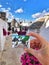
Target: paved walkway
11,56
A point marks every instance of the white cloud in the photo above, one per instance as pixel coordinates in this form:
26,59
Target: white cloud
0,5
18,19
44,11
36,15
4,10
7,3
25,0
47,9
40,14
20,10
47,13
9,8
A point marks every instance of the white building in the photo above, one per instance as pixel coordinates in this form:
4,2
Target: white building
3,24
44,31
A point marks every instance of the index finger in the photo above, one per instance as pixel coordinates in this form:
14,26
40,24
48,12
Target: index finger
40,38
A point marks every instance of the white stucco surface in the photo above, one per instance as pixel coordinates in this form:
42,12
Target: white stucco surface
3,24
44,31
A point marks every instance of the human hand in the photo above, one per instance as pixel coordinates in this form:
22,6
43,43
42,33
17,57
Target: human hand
43,53
35,44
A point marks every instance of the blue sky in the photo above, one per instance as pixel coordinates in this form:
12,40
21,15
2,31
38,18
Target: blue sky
24,9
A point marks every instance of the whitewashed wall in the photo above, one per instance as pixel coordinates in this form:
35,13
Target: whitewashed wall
45,31
3,24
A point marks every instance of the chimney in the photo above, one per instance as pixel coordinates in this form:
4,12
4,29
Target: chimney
3,15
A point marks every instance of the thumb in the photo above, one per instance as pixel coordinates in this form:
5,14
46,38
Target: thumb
32,51
35,53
